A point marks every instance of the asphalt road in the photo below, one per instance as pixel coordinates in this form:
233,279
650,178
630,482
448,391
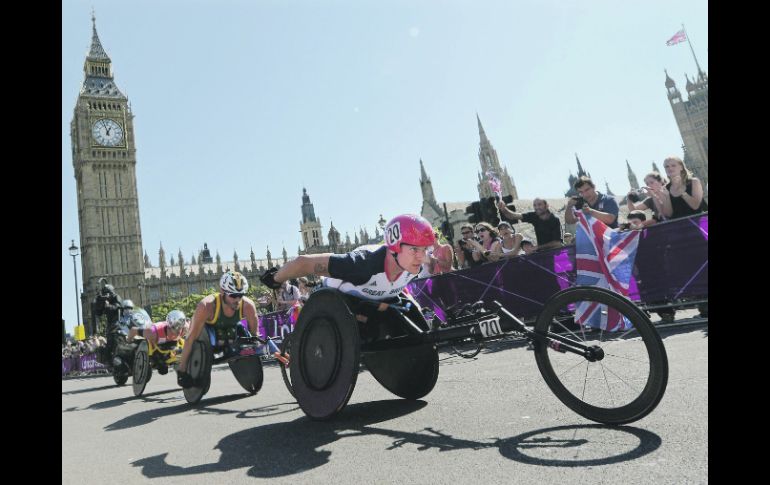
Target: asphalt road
488,420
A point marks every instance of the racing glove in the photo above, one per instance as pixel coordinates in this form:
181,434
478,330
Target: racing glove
184,379
268,279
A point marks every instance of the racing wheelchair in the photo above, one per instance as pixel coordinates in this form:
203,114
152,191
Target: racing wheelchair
240,352
119,354
151,356
611,377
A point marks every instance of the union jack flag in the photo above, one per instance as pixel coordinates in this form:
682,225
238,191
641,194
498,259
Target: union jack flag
605,258
293,313
494,183
680,36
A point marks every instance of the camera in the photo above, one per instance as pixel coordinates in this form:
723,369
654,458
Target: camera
636,195
579,202
464,243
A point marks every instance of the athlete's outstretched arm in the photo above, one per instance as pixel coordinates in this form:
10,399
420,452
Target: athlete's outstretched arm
317,264
199,318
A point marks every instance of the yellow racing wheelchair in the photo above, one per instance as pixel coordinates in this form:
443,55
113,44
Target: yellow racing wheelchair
151,356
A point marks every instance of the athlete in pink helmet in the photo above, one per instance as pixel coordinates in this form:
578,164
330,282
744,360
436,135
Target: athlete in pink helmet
374,274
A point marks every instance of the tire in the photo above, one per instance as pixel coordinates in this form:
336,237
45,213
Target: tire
285,372
467,348
327,353
120,379
120,374
142,369
409,372
199,367
629,379
248,372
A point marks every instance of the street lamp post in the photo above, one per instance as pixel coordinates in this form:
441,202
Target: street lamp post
74,252
382,223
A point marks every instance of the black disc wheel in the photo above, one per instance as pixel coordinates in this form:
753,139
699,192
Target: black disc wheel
199,367
408,372
122,372
142,370
285,372
624,373
326,355
247,371
120,378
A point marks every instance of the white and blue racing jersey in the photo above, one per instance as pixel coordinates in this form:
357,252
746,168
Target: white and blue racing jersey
362,273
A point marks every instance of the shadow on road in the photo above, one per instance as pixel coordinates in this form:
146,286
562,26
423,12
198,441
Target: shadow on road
129,397
666,332
90,389
203,407
580,445
282,449
116,402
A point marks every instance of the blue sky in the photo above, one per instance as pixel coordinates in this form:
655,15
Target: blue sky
240,104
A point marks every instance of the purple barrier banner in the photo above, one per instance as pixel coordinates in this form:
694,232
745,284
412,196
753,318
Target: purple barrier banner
672,260
68,364
84,363
276,324
88,363
671,263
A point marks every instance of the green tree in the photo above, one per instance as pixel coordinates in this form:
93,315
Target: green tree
188,303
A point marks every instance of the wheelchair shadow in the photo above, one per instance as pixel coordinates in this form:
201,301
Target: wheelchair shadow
122,400
579,445
203,407
454,359
505,344
665,332
282,449
90,389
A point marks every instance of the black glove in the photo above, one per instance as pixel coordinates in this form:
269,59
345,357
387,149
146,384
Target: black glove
268,279
184,379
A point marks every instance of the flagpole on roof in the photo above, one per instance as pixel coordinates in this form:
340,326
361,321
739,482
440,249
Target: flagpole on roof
692,50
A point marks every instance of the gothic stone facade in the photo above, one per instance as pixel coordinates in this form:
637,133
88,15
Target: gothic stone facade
104,163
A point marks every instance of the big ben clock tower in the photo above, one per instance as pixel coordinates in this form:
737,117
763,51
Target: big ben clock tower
104,161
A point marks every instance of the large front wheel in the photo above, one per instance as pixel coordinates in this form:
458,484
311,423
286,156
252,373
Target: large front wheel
286,352
142,370
623,376
199,367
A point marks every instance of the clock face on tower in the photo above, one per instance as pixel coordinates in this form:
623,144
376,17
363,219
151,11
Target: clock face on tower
107,132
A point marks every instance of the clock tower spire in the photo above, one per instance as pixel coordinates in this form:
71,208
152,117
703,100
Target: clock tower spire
104,165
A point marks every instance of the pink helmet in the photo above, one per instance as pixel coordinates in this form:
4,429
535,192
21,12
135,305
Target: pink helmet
408,229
